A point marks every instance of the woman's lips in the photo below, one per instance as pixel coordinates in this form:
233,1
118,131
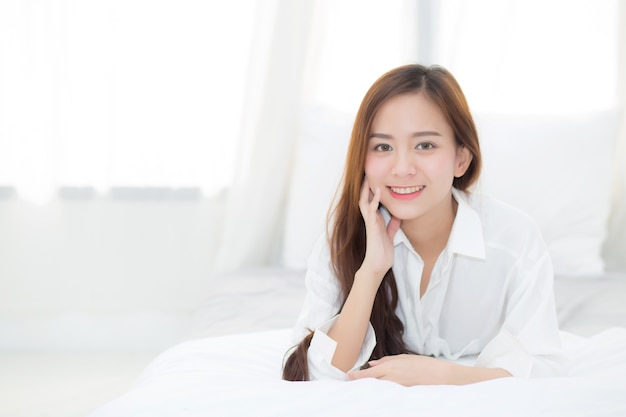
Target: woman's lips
406,193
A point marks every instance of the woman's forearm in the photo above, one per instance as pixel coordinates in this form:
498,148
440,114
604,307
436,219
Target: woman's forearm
412,369
353,321
463,375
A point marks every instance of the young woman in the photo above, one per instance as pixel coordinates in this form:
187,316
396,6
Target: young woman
416,272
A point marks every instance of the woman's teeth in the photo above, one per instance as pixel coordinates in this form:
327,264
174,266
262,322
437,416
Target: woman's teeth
407,190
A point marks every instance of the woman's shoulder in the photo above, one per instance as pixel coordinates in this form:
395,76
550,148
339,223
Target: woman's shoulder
506,225
494,210
320,255
320,271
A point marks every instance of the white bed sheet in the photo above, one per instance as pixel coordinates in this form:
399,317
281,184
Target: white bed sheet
270,298
232,365
239,375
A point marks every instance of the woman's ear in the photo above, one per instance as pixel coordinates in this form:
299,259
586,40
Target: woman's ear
463,159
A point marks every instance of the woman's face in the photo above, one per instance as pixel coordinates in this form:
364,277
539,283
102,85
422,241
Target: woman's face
412,157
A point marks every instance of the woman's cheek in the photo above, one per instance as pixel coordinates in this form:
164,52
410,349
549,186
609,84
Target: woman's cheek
375,171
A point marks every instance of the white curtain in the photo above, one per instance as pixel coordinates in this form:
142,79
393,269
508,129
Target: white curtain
210,94
131,93
275,74
616,243
306,54
531,56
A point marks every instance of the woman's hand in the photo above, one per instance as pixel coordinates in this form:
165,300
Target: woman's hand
351,326
379,250
407,370
410,370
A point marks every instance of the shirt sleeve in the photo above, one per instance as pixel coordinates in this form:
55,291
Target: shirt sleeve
322,350
320,312
528,344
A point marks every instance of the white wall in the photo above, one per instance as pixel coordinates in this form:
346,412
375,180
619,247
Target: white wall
101,273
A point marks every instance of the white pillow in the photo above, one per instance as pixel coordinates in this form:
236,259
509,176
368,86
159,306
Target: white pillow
557,168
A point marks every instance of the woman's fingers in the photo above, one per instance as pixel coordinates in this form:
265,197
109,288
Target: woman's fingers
379,246
393,226
365,373
373,205
368,201
364,197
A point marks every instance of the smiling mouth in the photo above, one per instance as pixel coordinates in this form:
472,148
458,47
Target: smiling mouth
407,190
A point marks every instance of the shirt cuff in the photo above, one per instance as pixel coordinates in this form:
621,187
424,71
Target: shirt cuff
507,353
322,350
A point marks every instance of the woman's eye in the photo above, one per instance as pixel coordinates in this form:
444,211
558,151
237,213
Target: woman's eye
425,146
384,147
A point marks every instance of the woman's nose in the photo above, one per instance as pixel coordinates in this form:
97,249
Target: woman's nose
404,165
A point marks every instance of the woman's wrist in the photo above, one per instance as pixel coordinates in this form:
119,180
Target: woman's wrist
365,276
461,375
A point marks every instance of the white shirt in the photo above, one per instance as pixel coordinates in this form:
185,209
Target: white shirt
490,294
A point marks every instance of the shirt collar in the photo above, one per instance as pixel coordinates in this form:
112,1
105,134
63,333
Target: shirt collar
466,236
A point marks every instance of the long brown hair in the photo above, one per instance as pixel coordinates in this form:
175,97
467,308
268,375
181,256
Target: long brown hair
347,235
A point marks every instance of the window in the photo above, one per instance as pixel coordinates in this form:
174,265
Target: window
139,93
121,93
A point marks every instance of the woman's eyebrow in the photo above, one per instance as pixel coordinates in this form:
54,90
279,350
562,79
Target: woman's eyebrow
415,135
426,133
381,136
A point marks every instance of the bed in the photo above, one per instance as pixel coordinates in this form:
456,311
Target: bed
231,363
231,366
